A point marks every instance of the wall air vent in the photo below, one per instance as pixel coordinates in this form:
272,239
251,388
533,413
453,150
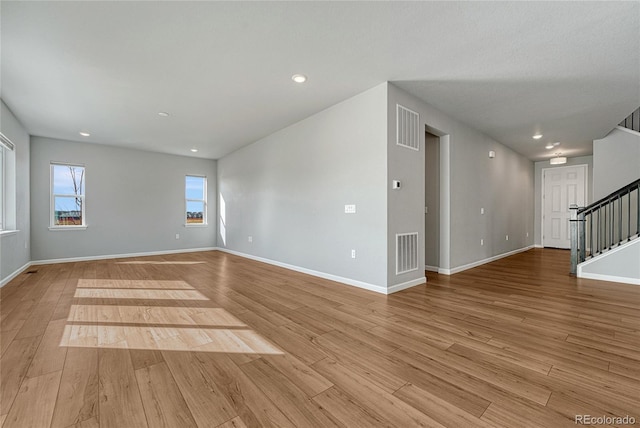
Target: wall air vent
407,128
406,252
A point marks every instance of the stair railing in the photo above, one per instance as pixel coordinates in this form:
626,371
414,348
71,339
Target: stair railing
605,224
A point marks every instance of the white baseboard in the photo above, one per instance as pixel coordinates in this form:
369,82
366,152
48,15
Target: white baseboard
14,274
482,262
538,246
324,275
405,285
120,256
600,277
431,268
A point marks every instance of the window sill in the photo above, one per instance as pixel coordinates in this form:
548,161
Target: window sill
4,233
66,228
196,225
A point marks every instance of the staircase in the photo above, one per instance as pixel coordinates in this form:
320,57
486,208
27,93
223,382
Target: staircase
605,225
632,121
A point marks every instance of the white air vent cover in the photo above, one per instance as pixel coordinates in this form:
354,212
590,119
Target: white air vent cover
407,128
406,252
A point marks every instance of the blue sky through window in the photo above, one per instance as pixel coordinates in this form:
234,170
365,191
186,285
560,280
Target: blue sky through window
194,188
63,179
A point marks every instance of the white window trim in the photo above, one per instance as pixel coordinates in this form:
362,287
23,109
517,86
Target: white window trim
205,222
52,198
3,191
6,145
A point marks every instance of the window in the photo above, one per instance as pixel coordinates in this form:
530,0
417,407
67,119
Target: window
6,195
195,200
2,192
67,196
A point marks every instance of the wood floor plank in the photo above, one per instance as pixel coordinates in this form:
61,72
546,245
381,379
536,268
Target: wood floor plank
375,399
246,399
440,410
219,340
120,402
349,411
41,390
233,423
50,355
204,398
162,399
78,399
300,374
13,369
291,401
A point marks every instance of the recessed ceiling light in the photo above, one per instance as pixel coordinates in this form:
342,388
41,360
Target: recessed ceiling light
549,146
194,150
163,114
537,136
299,78
84,134
557,143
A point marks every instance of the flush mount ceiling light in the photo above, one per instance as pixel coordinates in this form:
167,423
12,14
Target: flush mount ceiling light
84,134
537,136
558,160
552,145
163,114
299,78
194,150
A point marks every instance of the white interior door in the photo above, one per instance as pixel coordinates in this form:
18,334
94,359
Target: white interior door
562,187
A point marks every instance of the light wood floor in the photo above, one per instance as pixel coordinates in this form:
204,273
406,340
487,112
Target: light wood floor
210,339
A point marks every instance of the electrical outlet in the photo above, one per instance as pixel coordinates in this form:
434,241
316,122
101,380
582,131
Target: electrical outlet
177,236
527,234
426,210
349,209
506,238
481,242
353,254
250,239
481,211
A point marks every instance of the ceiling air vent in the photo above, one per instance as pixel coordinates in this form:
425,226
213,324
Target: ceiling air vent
406,252
407,128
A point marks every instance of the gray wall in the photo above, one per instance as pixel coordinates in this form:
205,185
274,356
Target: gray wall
288,191
405,206
621,263
432,200
15,250
539,166
616,161
119,182
503,186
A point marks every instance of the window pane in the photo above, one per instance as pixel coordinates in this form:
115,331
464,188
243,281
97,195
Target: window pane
195,187
68,180
67,211
195,212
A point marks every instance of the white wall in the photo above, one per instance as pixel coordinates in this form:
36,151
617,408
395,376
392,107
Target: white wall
15,251
288,191
134,201
620,265
616,161
539,166
503,186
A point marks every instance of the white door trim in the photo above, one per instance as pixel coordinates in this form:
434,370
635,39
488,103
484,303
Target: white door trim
586,191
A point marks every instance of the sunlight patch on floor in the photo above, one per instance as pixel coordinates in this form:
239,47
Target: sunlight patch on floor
114,293
208,317
164,328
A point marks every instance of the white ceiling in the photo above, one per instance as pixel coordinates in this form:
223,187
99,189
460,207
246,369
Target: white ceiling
570,70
